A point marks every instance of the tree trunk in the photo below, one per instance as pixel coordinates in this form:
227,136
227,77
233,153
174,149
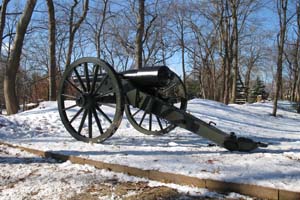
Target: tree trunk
14,59
2,26
227,81
227,65
73,27
295,77
227,54
2,21
282,9
52,64
99,31
139,35
182,53
70,49
234,7
297,56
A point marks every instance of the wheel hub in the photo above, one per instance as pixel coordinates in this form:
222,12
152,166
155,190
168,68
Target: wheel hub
85,100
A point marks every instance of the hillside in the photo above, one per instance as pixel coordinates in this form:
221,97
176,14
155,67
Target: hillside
180,151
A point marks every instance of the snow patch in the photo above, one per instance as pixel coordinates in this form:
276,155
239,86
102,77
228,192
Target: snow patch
180,151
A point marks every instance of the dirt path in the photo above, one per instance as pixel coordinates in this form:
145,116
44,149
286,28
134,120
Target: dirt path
132,191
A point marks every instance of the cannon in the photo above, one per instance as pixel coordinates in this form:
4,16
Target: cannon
93,96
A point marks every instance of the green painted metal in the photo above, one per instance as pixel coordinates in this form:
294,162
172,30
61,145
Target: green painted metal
91,84
174,93
187,121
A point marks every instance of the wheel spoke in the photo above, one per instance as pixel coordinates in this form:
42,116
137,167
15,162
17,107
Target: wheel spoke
86,72
94,79
136,112
76,115
67,108
79,79
159,123
142,119
70,96
103,114
82,121
101,83
74,86
90,124
97,121
150,122
105,93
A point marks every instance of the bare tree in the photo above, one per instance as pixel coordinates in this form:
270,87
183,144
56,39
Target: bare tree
52,63
2,21
101,27
282,14
291,57
180,14
253,56
234,46
296,61
203,59
240,12
74,26
227,55
98,17
139,35
182,43
2,65
14,59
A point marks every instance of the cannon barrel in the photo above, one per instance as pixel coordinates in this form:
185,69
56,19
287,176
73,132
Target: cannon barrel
157,76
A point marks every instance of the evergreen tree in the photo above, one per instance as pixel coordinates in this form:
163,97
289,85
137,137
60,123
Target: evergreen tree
258,89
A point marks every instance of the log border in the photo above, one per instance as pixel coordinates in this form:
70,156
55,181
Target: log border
166,177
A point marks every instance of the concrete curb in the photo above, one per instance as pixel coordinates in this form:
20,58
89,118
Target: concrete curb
166,177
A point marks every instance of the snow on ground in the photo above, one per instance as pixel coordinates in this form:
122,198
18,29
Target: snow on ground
180,151
25,176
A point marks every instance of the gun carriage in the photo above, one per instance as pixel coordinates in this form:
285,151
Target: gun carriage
93,96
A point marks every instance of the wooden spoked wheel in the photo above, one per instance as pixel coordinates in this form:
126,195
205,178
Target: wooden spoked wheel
90,103
174,93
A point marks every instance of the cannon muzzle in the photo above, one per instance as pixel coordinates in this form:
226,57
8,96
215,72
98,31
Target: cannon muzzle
233,143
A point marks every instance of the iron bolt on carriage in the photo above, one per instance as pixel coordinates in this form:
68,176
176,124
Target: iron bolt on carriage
92,99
